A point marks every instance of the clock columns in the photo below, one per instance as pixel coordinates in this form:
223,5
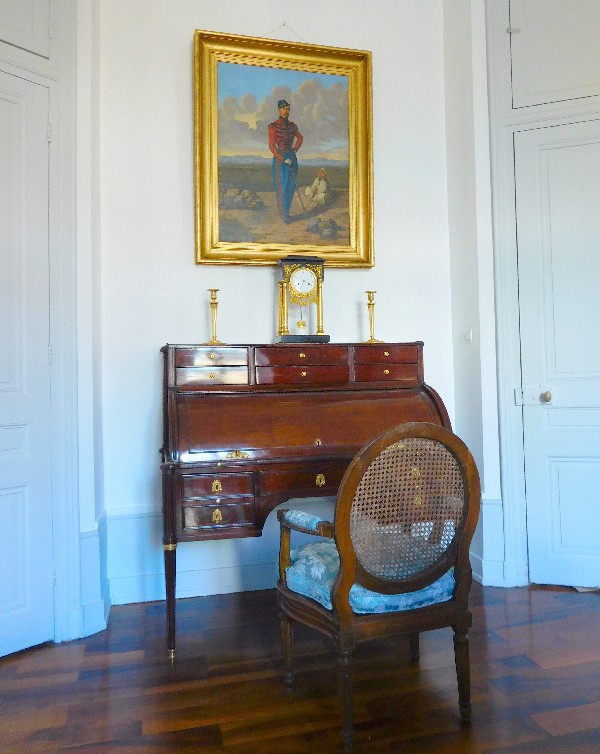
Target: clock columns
283,328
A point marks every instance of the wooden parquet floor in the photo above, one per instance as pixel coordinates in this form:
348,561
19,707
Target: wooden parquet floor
535,664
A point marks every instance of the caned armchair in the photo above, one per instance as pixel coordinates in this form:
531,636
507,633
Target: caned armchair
394,561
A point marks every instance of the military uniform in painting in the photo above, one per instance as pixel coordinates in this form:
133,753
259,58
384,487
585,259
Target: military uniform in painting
284,141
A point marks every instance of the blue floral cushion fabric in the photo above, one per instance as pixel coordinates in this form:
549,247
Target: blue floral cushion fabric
301,518
314,569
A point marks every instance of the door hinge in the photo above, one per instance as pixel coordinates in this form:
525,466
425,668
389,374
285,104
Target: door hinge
49,132
50,353
518,396
511,30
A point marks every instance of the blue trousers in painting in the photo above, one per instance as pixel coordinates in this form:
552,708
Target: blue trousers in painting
284,183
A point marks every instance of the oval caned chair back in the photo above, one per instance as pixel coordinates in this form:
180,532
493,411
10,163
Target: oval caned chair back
408,509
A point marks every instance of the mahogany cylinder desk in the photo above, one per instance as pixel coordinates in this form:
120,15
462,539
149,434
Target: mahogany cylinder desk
246,427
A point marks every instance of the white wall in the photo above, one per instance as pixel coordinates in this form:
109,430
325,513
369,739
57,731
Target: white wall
153,293
472,276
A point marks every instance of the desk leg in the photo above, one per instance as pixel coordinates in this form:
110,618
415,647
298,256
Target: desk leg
170,572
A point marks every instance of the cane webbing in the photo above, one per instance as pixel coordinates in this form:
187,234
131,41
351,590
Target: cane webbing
407,508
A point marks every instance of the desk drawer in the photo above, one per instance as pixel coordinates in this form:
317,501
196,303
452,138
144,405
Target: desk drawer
208,357
318,479
302,354
204,376
217,514
386,352
385,372
302,375
219,485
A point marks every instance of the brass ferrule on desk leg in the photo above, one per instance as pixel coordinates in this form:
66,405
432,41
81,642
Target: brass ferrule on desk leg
170,547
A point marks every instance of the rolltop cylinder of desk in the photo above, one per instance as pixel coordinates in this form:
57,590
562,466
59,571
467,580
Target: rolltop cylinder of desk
246,427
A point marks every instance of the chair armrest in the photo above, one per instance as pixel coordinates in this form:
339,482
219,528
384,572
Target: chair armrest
307,523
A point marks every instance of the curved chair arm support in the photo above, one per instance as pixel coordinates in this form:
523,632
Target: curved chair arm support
307,523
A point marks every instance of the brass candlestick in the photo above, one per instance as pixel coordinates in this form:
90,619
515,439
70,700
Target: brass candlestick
213,314
371,307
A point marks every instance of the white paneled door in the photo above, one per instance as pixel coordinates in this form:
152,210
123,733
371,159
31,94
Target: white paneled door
557,173
25,24
26,581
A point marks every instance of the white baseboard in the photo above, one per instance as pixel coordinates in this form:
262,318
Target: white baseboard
94,607
488,572
487,552
135,558
198,583
135,565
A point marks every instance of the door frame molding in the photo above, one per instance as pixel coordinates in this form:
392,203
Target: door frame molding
58,75
64,325
504,123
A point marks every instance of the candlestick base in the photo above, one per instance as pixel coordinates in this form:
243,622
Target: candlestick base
374,340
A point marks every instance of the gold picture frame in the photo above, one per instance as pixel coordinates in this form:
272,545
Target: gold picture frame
252,206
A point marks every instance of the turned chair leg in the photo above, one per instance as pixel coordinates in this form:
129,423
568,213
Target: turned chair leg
414,646
287,643
463,673
345,685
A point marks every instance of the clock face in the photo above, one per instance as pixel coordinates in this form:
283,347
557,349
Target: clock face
303,280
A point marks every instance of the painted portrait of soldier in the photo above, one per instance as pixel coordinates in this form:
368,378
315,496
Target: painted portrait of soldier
276,130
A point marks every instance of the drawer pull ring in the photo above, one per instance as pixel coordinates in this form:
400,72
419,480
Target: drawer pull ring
212,375
212,356
237,454
302,355
303,374
217,486
386,353
386,371
217,516
320,480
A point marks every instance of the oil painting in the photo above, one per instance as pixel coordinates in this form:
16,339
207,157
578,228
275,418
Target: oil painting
282,151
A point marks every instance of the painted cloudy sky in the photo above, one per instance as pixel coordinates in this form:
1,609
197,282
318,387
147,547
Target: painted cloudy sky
248,95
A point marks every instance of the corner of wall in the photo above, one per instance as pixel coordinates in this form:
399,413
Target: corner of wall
94,603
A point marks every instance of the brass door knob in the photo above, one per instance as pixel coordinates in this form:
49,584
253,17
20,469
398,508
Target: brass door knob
547,396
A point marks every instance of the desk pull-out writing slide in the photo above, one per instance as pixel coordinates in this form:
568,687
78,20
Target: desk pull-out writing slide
247,427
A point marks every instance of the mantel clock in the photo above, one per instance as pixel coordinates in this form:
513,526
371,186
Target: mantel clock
301,285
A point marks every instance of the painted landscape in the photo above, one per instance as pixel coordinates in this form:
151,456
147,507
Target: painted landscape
248,211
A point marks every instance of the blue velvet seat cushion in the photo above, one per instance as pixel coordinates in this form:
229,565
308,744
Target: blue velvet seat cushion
315,566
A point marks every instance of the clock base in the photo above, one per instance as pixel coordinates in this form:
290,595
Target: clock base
304,338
